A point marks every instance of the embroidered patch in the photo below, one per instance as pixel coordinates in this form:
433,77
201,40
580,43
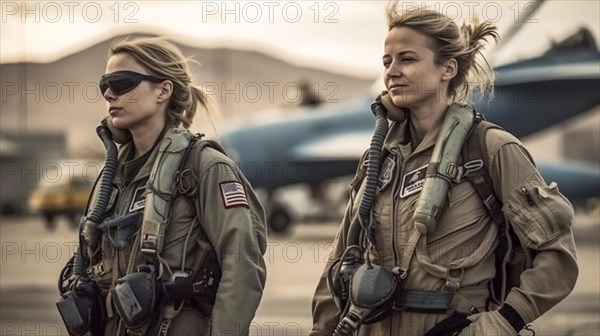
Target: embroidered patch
233,195
412,182
386,174
139,199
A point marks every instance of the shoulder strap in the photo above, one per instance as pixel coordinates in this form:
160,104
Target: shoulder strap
476,168
162,188
476,171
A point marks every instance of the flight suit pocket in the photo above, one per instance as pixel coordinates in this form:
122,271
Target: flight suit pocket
539,213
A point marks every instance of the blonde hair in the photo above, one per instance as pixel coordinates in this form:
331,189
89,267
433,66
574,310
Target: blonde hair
448,41
164,60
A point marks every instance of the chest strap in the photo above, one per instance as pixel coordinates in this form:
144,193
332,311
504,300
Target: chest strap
161,188
423,302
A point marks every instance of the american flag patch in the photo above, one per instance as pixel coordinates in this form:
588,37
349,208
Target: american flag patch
233,195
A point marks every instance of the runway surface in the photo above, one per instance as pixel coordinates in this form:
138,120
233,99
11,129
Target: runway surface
31,258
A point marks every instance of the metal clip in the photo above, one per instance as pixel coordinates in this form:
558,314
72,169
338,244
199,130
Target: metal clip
472,167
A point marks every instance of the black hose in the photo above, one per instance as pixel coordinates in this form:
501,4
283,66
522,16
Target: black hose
101,203
108,174
80,256
373,169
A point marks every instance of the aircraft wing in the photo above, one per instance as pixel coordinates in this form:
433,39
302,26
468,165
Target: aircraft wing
577,181
340,146
313,145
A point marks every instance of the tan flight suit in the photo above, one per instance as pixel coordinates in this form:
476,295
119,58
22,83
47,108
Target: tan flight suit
465,237
237,235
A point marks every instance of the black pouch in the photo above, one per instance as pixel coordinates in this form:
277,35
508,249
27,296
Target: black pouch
126,226
374,287
200,285
82,310
136,296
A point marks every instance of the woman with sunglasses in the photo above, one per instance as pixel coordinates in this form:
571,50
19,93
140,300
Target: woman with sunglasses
214,215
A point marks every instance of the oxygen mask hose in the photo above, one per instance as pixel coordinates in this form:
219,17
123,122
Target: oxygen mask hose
108,174
352,315
373,168
87,227
350,323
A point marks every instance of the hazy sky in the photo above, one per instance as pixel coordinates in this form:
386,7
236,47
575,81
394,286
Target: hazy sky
344,36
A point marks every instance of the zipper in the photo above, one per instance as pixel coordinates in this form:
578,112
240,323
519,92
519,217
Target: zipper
122,260
527,195
393,214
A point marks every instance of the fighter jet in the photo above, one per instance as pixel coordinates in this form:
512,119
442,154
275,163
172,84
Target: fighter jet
311,147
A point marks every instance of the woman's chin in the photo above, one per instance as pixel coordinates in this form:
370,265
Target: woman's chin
119,122
400,101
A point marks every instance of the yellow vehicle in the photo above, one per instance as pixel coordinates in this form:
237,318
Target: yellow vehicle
67,196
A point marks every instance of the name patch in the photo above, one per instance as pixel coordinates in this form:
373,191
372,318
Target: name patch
412,182
139,199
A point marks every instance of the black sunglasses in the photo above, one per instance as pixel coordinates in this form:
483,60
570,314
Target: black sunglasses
121,82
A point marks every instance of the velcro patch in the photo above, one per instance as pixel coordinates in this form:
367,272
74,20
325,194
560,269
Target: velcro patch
412,182
139,199
387,172
233,195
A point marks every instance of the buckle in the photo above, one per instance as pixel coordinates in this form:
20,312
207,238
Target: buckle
489,202
97,270
473,167
454,172
202,284
453,279
197,286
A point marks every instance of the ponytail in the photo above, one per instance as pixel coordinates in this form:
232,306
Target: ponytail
474,72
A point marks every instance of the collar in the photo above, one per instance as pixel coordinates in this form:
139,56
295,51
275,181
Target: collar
398,137
146,168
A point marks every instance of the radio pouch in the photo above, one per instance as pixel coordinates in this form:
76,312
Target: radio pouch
136,296
76,308
374,287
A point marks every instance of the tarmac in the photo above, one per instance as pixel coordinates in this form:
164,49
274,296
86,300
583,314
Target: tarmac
31,259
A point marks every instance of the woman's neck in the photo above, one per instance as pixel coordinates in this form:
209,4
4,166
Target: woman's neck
424,117
144,138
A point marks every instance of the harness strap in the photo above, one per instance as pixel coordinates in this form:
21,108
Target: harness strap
196,281
454,273
438,302
99,269
162,188
475,171
442,272
423,302
451,173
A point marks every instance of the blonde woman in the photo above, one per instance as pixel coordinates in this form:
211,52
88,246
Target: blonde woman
445,276
207,275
